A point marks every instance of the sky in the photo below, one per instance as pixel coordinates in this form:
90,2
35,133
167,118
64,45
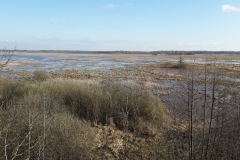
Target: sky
109,25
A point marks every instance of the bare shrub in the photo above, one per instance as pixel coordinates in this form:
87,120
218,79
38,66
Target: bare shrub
24,133
181,64
98,103
52,120
76,137
177,65
40,75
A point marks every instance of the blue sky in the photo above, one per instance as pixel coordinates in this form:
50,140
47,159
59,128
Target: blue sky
145,25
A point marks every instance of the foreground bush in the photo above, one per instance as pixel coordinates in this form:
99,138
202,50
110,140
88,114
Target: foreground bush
52,119
99,103
28,130
40,75
96,103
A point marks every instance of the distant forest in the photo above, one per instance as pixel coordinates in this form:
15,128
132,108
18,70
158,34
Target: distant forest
129,52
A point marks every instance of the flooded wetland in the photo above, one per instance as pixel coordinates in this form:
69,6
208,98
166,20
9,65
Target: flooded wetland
154,72
152,100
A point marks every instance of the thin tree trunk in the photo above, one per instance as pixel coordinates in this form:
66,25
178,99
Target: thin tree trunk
191,116
204,108
44,125
29,126
211,114
5,144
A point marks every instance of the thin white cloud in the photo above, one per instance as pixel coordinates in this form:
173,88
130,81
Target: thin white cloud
229,8
200,44
215,43
108,6
129,4
4,40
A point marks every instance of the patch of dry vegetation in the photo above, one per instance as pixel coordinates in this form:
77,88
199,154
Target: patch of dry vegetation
34,126
176,65
53,119
41,75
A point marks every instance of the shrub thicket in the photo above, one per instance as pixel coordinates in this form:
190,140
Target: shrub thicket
99,103
33,125
51,119
93,102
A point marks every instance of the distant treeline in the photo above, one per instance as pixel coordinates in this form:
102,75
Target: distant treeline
128,52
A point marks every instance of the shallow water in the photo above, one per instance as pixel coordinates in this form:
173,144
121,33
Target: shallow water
54,62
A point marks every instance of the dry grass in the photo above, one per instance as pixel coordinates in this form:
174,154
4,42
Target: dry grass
58,135
65,110
92,101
